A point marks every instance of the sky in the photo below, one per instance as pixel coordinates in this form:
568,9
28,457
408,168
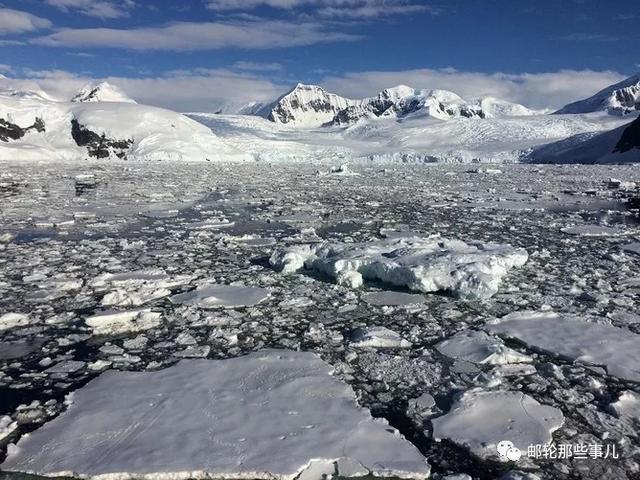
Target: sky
202,55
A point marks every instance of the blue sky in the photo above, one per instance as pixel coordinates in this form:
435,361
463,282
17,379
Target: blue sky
200,52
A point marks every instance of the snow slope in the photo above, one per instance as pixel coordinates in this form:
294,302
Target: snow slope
618,99
271,414
414,138
620,145
33,126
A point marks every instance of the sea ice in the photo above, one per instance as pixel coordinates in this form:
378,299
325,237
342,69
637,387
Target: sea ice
114,322
424,264
270,414
480,419
378,337
390,298
12,320
478,347
7,426
593,231
616,349
225,296
627,405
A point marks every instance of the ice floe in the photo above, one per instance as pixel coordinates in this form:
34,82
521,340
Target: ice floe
477,347
594,231
616,349
480,419
395,299
271,414
627,405
7,426
222,296
114,322
13,320
377,337
424,264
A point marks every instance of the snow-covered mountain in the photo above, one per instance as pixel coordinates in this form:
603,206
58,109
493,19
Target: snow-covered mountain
34,126
101,92
618,99
312,106
620,145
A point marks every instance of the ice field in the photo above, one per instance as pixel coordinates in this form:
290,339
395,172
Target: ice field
399,321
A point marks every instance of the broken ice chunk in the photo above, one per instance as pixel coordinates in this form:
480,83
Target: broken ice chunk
7,426
627,405
479,420
225,296
478,347
13,320
116,322
467,270
378,337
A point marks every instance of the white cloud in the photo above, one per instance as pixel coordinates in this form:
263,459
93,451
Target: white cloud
197,90
95,8
211,89
332,8
247,34
17,21
536,90
257,66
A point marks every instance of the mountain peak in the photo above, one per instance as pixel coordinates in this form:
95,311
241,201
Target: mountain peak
101,92
620,98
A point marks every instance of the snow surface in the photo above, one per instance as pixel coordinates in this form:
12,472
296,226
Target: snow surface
589,147
616,349
413,139
157,134
424,264
270,414
480,419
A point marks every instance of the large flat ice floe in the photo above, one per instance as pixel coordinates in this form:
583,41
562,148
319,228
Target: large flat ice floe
479,420
270,414
616,349
222,296
423,264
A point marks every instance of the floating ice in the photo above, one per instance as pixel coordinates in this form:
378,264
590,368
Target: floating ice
633,247
479,420
378,337
478,347
593,231
116,322
616,349
468,270
226,296
7,426
393,298
132,289
627,405
270,414
13,320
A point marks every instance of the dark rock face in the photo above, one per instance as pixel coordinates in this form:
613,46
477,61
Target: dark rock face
630,138
98,146
11,131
